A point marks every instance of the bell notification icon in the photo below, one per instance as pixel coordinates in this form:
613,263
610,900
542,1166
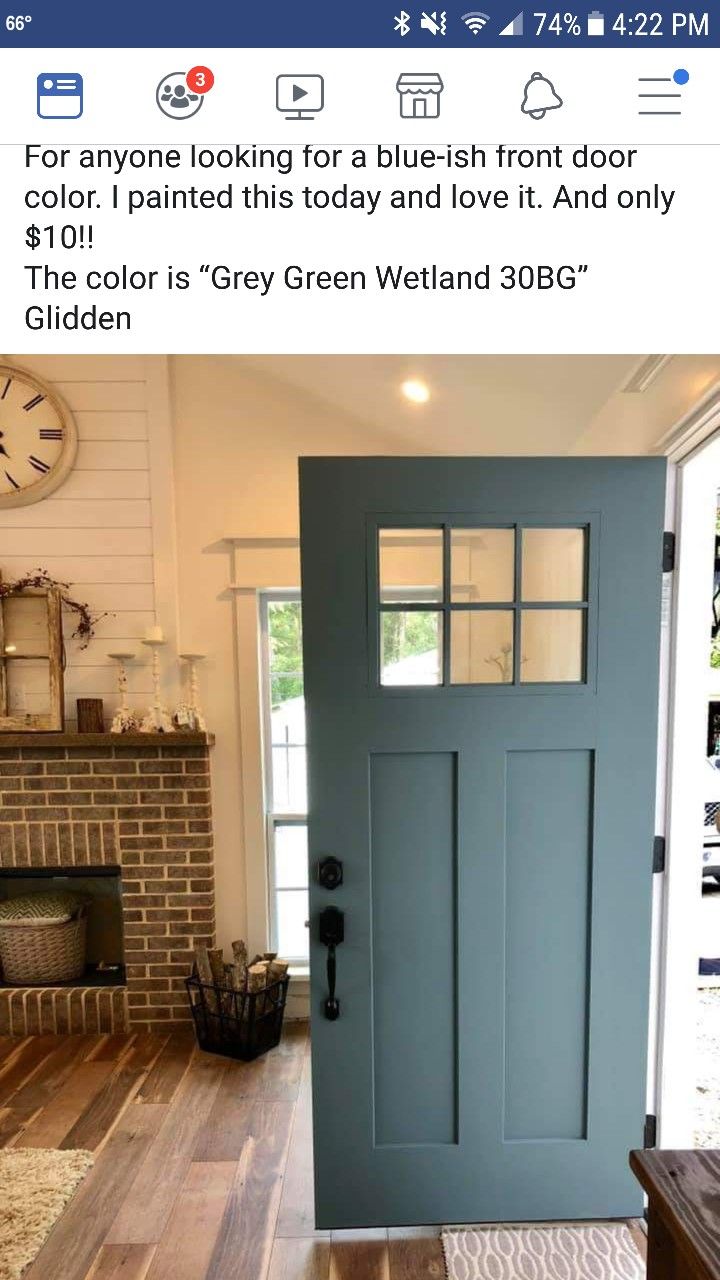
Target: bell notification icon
299,96
540,96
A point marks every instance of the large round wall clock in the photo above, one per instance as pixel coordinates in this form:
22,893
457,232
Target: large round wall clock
38,438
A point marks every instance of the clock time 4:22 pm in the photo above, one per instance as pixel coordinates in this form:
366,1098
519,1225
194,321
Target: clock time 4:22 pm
643,24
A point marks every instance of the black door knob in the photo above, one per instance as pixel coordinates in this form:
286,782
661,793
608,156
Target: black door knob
330,872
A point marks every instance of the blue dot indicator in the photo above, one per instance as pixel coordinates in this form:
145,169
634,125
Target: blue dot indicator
681,76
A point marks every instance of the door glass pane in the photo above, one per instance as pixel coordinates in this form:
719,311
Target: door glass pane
482,565
481,646
553,645
291,856
411,565
411,647
553,564
292,912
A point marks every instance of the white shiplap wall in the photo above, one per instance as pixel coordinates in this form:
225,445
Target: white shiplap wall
96,530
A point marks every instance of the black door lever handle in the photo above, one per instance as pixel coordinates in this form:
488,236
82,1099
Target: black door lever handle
332,933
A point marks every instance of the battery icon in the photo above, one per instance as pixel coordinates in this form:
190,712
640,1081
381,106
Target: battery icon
596,23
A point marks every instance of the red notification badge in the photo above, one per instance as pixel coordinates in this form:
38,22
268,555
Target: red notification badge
200,79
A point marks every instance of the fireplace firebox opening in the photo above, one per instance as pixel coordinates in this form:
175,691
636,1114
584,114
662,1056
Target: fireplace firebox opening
101,885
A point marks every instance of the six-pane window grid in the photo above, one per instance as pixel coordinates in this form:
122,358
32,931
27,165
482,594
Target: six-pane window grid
285,773
483,604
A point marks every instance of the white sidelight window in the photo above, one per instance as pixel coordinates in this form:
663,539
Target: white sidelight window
285,757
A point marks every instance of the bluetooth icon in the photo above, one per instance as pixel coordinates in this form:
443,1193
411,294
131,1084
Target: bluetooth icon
402,22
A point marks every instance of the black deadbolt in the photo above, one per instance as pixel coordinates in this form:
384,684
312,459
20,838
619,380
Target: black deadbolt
330,872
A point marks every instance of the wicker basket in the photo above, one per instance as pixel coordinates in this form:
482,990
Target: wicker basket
44,953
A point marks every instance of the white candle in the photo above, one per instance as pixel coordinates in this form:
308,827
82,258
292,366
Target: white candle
155,633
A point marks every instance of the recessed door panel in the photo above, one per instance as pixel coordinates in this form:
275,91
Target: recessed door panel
413,820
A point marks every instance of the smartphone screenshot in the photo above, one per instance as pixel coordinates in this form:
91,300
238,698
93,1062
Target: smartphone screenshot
359,642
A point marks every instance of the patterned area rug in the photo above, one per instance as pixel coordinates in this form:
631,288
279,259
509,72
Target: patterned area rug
35,1186
588,1252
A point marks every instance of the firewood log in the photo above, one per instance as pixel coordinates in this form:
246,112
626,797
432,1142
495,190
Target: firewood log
256,985
239,965
257,977
277,970
217,965
205,974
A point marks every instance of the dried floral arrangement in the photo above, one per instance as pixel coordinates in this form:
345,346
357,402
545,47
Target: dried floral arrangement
85,619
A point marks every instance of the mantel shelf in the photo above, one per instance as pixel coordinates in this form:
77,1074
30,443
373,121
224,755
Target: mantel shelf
31,739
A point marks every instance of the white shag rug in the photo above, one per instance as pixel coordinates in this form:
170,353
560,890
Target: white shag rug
587,1252
35,1186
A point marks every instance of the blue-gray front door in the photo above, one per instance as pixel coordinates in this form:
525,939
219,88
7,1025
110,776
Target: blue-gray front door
481,669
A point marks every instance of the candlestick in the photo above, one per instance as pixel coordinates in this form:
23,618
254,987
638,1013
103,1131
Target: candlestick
124,720
154,635
189,715
158,718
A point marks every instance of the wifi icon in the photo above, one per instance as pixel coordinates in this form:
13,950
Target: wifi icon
475,21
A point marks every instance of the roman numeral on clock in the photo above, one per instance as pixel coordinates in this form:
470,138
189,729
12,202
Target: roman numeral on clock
39,465
33,404
50,433
14,483
5,389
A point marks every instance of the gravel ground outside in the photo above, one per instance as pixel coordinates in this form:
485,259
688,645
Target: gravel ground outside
707,1066
707,1111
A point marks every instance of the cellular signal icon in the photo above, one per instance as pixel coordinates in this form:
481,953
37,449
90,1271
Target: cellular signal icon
475,21
514,28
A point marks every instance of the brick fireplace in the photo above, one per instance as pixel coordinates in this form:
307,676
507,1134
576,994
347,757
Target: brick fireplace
141,804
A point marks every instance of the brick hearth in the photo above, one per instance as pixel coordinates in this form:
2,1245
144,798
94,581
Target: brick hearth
141,801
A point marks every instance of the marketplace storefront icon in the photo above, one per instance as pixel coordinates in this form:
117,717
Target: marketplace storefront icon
419,95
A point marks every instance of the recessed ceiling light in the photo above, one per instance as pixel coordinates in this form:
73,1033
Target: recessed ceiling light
418,392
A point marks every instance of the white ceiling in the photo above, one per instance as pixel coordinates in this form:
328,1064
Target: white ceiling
502,404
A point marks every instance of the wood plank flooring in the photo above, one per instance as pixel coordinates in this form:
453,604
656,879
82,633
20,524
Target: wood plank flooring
203,1166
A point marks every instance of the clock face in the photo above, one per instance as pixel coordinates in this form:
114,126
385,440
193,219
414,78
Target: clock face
38,439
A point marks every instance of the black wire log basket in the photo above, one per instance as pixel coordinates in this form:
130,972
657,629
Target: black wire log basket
238,1024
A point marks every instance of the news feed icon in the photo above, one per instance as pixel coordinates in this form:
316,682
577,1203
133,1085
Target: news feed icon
299,97
59,96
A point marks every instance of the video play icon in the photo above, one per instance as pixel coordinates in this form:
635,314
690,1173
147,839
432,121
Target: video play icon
291,90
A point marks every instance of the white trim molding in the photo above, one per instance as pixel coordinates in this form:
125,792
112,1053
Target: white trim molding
164,527
257,565
694,430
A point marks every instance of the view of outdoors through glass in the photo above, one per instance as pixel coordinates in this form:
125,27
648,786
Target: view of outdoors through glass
287,784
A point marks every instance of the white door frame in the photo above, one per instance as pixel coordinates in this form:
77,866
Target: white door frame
692,495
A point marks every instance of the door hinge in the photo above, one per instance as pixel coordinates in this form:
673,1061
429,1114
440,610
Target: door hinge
650,1133
668,552
658,854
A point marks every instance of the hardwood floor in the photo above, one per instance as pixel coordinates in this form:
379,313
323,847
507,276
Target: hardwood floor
203,1166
